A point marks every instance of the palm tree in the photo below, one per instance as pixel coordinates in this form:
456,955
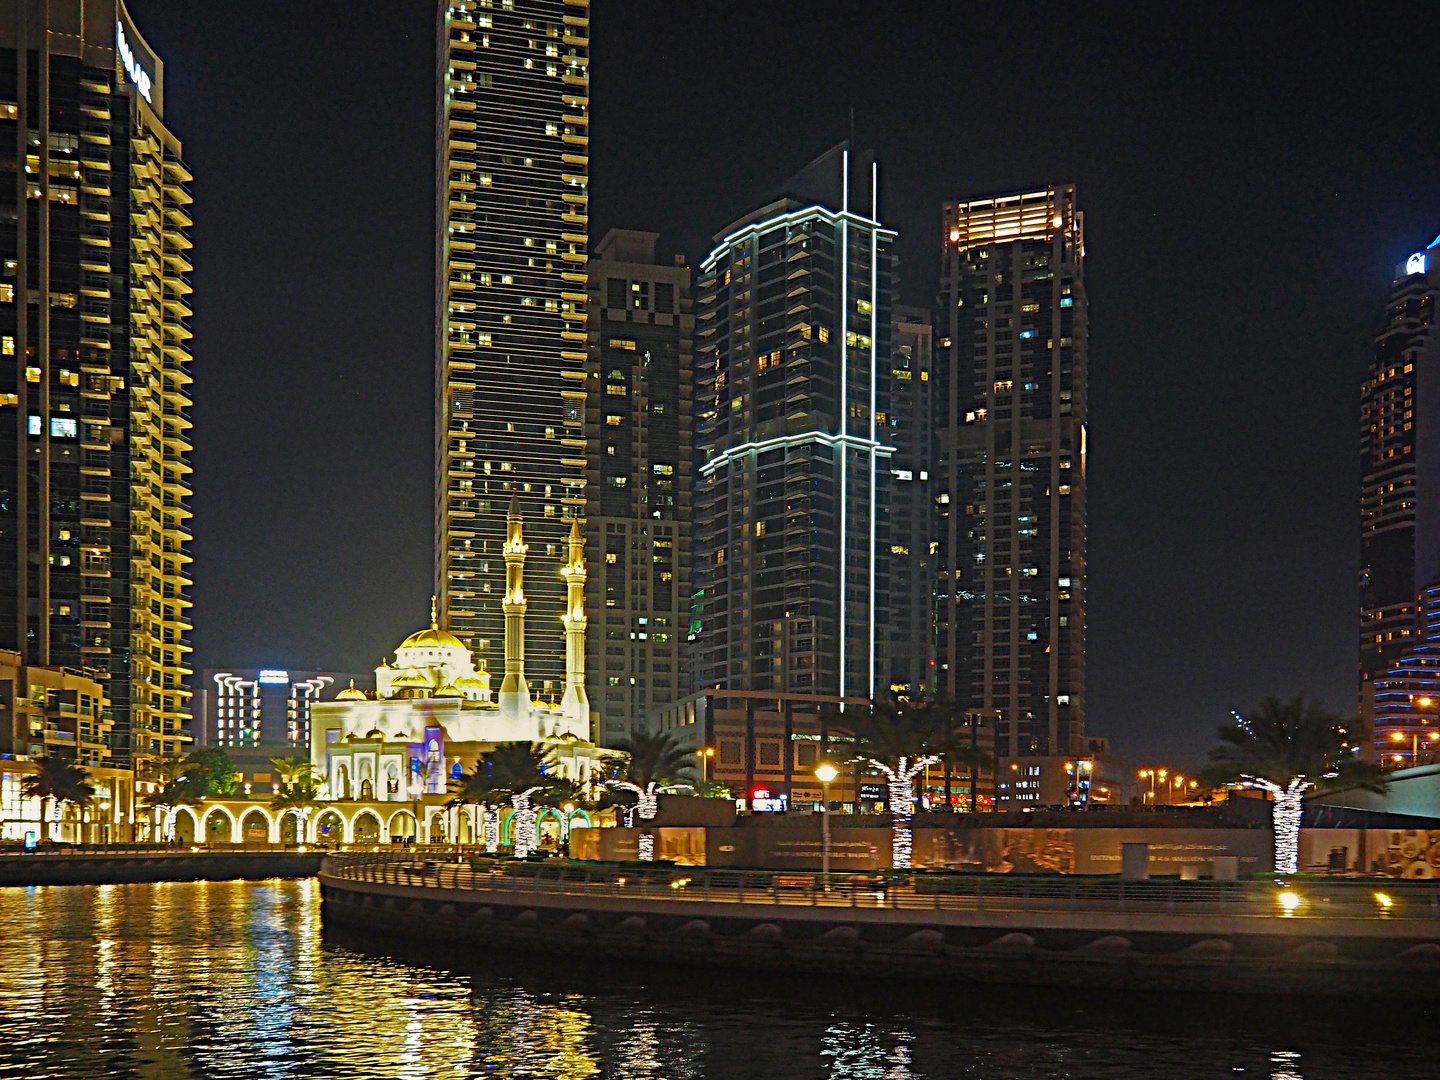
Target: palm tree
59,780
518,770
954,741
655,759
1288,748
480,788
894,737
298,791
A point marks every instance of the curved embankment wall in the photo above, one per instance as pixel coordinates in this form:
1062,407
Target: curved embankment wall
1193,952
139,867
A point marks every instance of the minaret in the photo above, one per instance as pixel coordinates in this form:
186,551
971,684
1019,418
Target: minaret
514,693
575,706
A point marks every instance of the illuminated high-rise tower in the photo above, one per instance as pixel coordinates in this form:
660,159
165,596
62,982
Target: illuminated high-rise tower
792,387
95,372
1009,484
1400,510
511,203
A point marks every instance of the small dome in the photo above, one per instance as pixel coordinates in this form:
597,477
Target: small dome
448,691
350,694
472,682
413,678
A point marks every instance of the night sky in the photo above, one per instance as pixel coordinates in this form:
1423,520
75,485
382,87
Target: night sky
1248,185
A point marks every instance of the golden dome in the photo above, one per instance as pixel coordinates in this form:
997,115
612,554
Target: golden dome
448,691
431,637
471,682
350,694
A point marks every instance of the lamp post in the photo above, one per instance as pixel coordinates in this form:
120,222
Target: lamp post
705,764
825,772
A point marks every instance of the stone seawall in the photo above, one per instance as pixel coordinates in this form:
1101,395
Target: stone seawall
123,868
1115,949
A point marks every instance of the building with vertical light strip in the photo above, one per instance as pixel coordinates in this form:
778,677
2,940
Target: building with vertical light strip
1010,476
792,343
640,478
512,170
94,380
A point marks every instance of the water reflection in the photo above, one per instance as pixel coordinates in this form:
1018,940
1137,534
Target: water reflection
236,979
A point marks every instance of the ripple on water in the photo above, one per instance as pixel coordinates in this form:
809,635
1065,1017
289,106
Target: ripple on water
235,979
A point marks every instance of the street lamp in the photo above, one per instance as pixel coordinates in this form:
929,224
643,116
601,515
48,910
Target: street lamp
705,764
825,773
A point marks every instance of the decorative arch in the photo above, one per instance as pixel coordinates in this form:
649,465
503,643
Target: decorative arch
438,828
402,823
579,812
248,828
366,828
186,827
219,826
465,828
330,828
507,826
290,824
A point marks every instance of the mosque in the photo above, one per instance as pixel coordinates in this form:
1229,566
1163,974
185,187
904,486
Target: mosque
433,714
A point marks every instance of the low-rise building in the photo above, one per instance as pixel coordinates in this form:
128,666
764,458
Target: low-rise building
62,713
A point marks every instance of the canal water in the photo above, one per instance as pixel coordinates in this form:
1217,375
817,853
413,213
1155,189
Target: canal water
239,979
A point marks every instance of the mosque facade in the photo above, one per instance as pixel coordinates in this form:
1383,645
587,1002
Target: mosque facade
433,713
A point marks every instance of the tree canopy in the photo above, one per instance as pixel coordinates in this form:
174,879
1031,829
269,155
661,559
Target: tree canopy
58,779
209,773
511,769
655,759
1285,741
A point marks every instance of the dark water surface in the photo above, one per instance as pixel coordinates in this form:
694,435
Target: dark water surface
235,979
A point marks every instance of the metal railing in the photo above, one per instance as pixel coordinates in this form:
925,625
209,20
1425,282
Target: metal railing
960,893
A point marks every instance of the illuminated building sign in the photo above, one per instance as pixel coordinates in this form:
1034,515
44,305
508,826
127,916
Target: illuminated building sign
1416,263
138,75
271,675
762,801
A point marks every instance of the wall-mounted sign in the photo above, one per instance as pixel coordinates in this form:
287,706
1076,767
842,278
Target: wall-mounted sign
272,675
138,75
1416,263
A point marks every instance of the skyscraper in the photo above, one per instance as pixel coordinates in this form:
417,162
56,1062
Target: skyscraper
793,349
512,169
639,480
1010,478
1400,492
94,302
909,623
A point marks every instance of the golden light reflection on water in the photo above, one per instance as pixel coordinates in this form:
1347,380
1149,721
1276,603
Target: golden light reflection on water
234,979
231,979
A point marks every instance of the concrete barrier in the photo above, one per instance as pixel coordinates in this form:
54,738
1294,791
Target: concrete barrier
1214,937
123,868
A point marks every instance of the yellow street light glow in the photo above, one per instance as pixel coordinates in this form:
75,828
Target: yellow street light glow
1383,900
1425,702
825,772
1289,900
1397,737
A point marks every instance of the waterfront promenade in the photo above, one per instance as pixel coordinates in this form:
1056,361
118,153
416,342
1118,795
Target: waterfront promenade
1332,937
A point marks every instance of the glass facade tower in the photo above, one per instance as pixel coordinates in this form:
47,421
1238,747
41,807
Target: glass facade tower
793,351
1010,494
95,372
512,169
